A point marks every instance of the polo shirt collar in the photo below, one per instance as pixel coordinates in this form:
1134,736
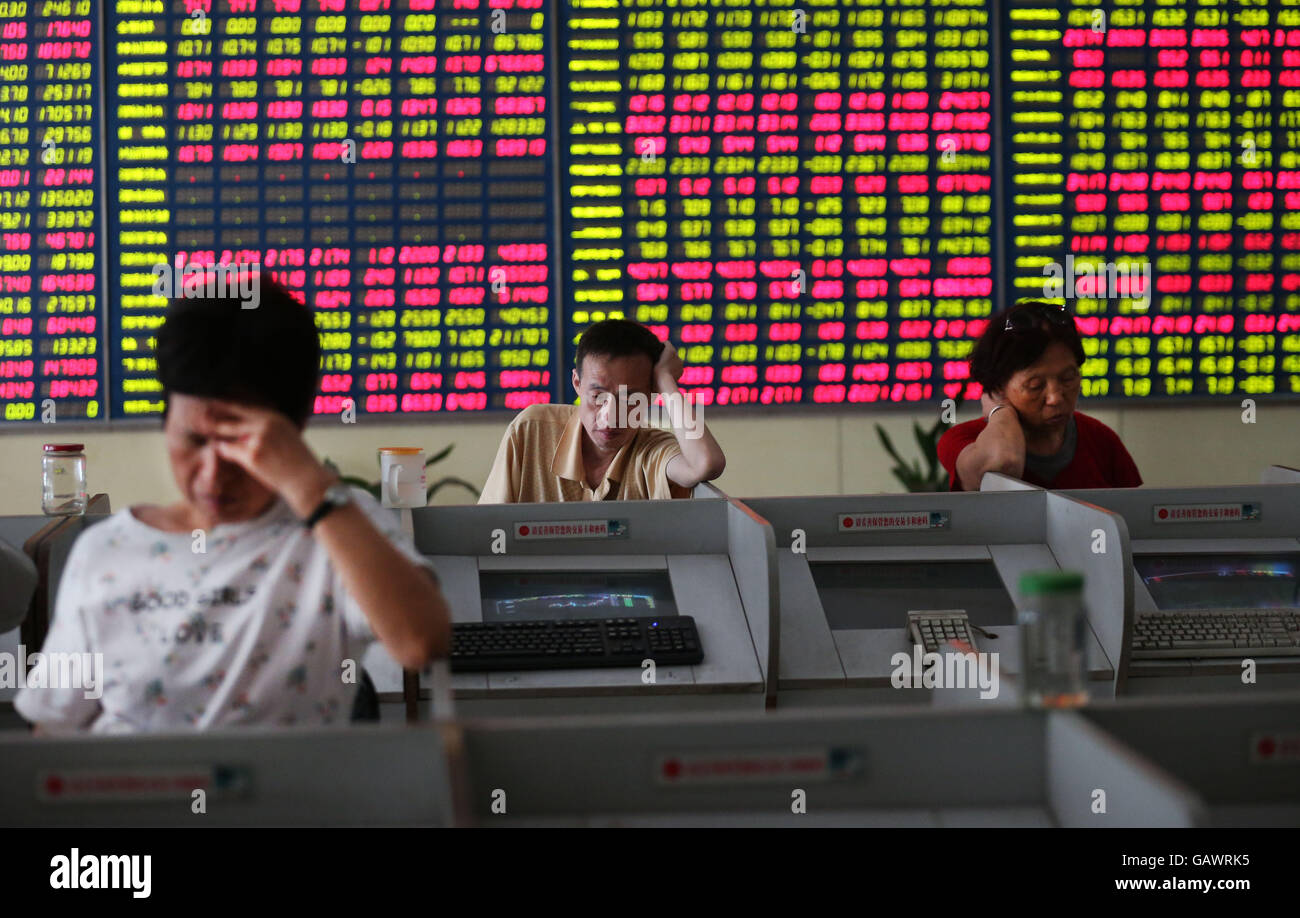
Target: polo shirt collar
567,461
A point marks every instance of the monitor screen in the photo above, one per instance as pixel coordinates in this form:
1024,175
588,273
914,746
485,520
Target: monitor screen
875,595
522,595
1221,581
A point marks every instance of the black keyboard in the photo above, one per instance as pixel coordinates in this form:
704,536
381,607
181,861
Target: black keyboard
574,644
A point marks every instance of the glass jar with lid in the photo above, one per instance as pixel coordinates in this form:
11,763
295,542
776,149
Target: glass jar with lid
63,479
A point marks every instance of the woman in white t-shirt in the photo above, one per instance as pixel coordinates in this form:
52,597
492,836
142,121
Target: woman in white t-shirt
251,599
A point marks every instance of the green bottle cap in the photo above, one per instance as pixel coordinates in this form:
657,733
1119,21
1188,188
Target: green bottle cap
1035,582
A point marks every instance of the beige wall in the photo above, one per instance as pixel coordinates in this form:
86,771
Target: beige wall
766,454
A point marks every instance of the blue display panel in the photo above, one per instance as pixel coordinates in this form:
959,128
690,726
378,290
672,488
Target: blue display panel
819,203
799,195
390,161
1153,163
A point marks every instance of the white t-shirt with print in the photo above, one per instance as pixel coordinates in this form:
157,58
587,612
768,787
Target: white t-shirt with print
255,629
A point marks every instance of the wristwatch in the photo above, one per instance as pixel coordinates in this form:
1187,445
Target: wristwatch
336,495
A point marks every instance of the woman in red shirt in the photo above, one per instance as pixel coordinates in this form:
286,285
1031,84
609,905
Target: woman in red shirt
1028,362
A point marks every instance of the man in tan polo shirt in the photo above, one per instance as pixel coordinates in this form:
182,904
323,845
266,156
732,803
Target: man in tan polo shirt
596,450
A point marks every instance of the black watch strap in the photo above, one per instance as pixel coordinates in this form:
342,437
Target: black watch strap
322,510
331,501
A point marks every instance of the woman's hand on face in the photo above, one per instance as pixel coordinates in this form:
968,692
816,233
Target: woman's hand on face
270,447
988,402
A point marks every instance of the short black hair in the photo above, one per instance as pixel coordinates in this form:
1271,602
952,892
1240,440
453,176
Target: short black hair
618,338
212,347
1001,353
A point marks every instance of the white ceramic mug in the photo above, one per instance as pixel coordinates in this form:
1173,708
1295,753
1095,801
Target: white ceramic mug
401,472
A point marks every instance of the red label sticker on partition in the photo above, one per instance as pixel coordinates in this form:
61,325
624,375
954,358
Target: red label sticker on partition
757,766
571,529
892,521
111,786
137,784
1270,748
1204,513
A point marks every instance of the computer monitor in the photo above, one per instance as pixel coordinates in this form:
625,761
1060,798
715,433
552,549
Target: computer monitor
510,596
1222,580
873,595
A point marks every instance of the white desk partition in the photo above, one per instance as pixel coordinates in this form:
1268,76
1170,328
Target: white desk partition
1093,541
356,776
1080,531
1280,474
878,767
996,481
16,530
1228,519
1095,780
1166,763
706,490
718,558
826,659
1239,754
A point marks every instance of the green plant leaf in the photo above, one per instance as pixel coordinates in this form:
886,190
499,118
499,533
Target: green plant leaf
451,480
929,443
441,456
889,444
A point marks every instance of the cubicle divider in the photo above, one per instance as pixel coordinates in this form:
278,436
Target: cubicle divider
1262,516
1154,763
359,776
996,481
50,548
707,490
1091,774
840,635
1084,537
1240,754
1232,521
1087,538
46,540
25,533
752,547
1280,474
717,559
877,767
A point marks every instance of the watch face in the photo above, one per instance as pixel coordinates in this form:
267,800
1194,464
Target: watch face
338,494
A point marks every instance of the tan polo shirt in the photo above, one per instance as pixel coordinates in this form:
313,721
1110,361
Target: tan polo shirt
540,461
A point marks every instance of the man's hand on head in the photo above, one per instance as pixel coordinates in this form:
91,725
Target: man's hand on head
270,447
668,369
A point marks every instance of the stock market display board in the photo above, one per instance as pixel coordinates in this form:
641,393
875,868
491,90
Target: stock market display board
51,207
388,161
818,202
799,194
1152,155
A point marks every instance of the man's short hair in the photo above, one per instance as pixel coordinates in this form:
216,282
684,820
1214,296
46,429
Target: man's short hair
1002,352
618,338
212,347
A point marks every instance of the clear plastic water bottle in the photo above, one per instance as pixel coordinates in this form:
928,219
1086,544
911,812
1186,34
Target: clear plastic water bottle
1053,630
63,479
